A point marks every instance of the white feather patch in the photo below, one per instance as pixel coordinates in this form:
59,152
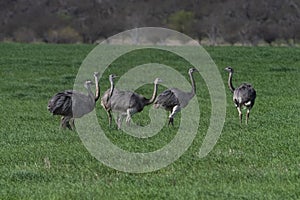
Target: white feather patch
248,103
240,99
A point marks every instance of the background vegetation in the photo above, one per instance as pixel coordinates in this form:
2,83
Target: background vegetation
211,22
258,161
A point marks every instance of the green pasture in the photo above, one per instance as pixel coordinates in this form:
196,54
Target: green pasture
258,161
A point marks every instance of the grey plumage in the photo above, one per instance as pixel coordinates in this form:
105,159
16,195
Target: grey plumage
173,100
105,103
243,96
125,103
72,104
97,93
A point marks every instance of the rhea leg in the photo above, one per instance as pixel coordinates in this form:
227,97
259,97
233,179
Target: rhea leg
108,112
64,122
175,110
119,120
240,114
247,116
130,112
128,118
72,124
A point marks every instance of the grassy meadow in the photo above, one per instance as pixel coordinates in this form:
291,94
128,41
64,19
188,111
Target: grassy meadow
258,161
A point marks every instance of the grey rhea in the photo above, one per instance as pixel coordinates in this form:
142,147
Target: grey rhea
72,104
125,103
173,99
243,96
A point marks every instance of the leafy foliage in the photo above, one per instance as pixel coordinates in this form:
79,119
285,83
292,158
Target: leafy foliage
181,21
243,22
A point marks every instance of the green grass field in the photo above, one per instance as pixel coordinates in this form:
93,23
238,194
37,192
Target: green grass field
258,161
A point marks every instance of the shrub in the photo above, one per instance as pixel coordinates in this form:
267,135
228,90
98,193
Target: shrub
63,35
24,35
181,21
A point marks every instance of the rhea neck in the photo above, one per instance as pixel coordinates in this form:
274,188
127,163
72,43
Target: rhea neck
150,101
230,82
112,87
90,93
193,92
97,95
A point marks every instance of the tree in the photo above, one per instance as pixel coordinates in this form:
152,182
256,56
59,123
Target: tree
181,21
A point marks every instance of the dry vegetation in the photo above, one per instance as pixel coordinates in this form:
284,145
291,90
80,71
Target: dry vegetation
230,22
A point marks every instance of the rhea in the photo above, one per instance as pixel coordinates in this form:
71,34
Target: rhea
105,100
71,104
243,96
174,99
125,103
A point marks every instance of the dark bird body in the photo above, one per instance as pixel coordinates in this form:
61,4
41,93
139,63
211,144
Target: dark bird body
72,104
173,99
243,96
167,100
62,103
120,101
125,103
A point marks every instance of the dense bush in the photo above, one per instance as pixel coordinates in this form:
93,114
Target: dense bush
24,35
63,35
232,22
